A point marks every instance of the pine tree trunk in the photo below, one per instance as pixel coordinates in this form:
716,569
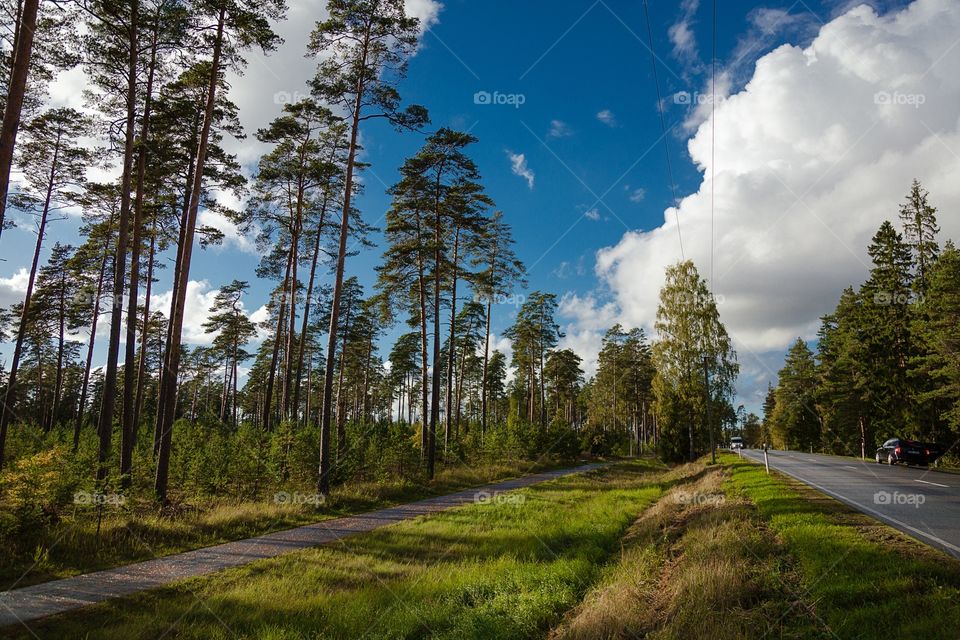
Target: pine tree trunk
105,427
160,419
307,302
142,361
323,481
435,389
486,364
183,274
451,346
285,410
62,321
22,50
129,416
341,407
275,355
78,422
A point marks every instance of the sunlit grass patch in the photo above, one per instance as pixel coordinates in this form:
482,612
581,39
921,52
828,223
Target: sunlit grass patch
504,569
858,571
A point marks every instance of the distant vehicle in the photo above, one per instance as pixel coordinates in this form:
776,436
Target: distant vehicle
736,442
897,450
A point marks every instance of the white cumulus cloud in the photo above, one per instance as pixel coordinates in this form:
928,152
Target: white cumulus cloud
816,150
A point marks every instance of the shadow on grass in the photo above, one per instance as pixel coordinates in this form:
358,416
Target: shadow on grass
500,570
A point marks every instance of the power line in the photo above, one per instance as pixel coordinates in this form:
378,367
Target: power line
663,129
713,135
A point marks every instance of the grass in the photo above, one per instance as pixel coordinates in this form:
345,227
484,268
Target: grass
509,569
866,579
140,531
628,551
699,564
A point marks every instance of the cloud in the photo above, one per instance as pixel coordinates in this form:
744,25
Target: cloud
199,299
606,117
231,234
681,33
559,129
518,164
428,11
13,288
811,156
593,214
588,321
638,194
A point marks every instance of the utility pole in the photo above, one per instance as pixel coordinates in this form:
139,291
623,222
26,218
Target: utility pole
706,393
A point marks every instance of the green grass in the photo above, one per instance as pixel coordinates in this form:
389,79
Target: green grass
139,531
865,579
504,570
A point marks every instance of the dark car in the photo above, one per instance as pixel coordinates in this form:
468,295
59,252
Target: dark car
897,450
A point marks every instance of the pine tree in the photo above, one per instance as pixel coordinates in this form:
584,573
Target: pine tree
500,272
938,330
365,44
231,26
884,333
234,330
920,231
534,333
795,423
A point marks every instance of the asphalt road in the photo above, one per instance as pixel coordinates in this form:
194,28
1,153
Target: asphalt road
922,503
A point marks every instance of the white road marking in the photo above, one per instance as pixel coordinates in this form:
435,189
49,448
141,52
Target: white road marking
936,484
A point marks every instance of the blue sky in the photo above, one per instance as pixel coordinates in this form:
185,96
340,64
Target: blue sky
581,108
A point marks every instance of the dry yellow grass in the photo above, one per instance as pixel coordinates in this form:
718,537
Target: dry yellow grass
697,564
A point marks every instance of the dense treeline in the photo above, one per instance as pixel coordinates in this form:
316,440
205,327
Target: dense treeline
886,359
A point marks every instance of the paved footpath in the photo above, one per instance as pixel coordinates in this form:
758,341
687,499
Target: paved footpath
59,596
